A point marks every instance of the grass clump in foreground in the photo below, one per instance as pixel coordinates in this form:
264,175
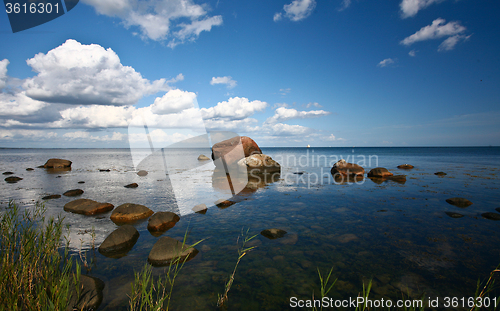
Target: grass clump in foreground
480,301
151,296
33,274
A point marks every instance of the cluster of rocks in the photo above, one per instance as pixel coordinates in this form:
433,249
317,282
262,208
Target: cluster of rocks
252,159
343,170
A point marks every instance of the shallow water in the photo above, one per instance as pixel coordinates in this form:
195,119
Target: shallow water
396,234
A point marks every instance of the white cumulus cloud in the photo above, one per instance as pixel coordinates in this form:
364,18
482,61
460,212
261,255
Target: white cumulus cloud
411,7
386,62
19,104
281,129
175,21
173,101
235,108
450,43
296,11
227,80
79,74
438,29
3,73
283,114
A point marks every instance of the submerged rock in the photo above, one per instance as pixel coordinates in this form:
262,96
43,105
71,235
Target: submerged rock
90,289
460,202
161,221
223,203
52,196
30,169
130,212
119,242
492,216
73,192
342,168
142,173
13,179
166,250
454,215
81,182
405,166
440,174
57,163
379,172
273,233
203,157
133,185
259,163
105,170
87,207
397,178
200,209
7,173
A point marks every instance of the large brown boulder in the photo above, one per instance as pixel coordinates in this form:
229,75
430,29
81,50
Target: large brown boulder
225,147
87,207
166,250
379,172
119,242
259,163
162,221
342,168
130,212
57,163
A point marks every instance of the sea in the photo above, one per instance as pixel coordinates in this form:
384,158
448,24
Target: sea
396,234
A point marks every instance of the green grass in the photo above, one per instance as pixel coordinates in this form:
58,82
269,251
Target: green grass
149,295
34,275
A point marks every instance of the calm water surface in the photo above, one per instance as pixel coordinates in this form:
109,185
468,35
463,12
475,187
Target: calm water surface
394,233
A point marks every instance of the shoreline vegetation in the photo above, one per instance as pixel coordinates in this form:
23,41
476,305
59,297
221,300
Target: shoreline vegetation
36,275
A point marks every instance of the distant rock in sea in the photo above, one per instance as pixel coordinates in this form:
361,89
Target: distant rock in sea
132,185
52,196
200,209
379,172
273,233
13,179
203,157
142,173
259,164
130,212
167,249
119,242
345,169
161,221
73,192
87,207
460,202
491,216
57,163
405,166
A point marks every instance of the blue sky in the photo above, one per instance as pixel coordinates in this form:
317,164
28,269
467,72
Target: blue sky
286,73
